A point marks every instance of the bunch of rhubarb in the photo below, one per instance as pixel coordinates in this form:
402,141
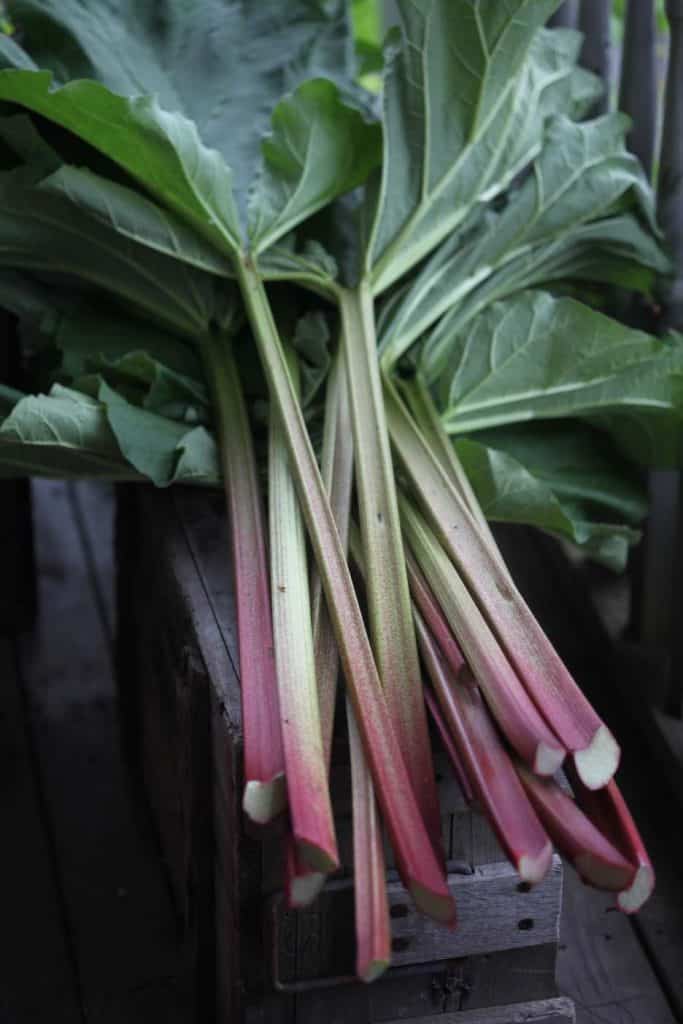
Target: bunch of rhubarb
205,216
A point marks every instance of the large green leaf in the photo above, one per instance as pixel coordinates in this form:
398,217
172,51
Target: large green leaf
71,435
559,481
556,226
456,94
161,150
41,229
320,148
537,357
148,366
224,64
63,434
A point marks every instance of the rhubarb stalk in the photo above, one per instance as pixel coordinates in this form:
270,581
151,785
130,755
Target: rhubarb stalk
448,743
302,884
596,860
265,793
487,764
386,583
310,809
422,874
510,704
373,930
558,698
608,811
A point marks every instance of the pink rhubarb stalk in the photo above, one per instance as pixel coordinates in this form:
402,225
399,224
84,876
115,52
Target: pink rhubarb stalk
487,764
596,860
448,743
310,809
373,929
512,708
558,698
265,794
422,874
386,584
302,885
608,811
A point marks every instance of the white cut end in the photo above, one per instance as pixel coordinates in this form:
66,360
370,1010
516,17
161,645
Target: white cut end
263,801
373,971
601,874
598,762
439,907
548,759
305,888
632,899
534,869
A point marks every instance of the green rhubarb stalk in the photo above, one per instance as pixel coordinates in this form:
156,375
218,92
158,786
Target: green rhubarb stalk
510,704
371,903
302,885
265,793
422,873
310,808
557,696
388,596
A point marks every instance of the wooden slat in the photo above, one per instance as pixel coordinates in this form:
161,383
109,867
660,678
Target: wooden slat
638,85
616,685
594,22
37,977
549,1011
494,913
119,914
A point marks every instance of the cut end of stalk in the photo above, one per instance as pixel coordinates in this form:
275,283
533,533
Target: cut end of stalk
533,870
439,906
372,971
614,877
632,899
315,857
304,889
548,759
598,762
263,801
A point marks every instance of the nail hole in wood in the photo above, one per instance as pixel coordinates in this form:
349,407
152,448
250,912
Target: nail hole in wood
399,944
399,910
526,924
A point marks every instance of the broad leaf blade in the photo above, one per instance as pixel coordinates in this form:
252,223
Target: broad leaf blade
320,148
161,150
450,102
537,357
224,64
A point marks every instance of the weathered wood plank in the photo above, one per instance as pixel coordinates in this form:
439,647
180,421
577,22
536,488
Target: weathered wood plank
494,913
119,914
602,966
37,977
547,1011
561,596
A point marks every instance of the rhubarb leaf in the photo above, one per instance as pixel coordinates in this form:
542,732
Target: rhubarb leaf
161,150
319,148
163,451
63,434
556,484
537,357
556,226
224,64
456,99
42,230
151,368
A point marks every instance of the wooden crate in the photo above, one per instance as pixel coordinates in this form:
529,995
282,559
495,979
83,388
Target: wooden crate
255,961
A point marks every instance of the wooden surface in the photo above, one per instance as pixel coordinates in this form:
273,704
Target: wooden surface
115,916
49,970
